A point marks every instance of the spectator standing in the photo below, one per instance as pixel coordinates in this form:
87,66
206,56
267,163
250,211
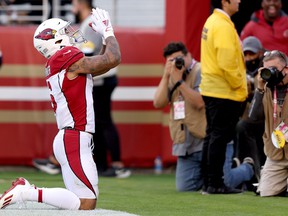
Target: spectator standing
106,136
69,80
269,25
179,87
270,102
224,89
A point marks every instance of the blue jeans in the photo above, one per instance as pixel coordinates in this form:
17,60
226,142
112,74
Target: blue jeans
188,172
233,177
189,175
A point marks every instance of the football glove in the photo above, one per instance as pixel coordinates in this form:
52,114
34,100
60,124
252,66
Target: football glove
101,23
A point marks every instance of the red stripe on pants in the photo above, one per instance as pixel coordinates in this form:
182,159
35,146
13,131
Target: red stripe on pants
40,195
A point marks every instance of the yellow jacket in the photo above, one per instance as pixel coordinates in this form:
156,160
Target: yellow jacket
222,61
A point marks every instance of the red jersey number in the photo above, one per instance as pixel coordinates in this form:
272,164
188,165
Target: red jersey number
53,102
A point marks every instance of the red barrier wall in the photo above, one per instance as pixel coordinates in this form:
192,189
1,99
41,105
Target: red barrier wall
27,126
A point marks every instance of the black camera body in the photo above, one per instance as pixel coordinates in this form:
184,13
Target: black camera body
271,75
179,62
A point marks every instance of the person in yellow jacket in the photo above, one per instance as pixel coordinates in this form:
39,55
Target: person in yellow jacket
224,89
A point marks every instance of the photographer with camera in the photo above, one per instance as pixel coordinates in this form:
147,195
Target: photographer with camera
249,142
179,87
270,103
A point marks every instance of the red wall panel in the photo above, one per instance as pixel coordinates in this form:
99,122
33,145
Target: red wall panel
22,142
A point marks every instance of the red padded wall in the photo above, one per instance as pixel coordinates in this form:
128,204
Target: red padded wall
21,141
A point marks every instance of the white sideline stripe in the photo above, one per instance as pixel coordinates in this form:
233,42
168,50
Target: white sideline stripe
42,94
36,209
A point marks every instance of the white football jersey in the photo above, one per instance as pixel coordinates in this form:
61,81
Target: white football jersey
71,100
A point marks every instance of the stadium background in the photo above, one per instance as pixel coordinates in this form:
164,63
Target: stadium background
27,124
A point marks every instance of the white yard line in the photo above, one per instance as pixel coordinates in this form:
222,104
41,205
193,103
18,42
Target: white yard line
36,209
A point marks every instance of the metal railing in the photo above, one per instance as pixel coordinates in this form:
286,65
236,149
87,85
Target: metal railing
122,13
19,13
32,13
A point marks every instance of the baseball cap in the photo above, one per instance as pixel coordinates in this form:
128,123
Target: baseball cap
252,44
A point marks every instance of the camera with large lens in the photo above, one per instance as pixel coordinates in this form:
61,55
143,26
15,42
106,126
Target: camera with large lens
179,62
271,75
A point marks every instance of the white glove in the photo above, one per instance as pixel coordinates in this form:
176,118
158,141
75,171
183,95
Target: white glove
101,23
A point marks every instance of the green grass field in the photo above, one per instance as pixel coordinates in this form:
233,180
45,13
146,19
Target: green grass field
155,195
